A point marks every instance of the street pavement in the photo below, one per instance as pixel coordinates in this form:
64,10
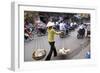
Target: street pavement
78,47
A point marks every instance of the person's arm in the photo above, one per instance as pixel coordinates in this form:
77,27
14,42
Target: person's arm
58,33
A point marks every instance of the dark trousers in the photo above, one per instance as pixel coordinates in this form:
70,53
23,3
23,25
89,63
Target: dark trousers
52,50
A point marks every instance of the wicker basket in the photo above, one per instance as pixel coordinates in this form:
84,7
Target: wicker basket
63,51
39,54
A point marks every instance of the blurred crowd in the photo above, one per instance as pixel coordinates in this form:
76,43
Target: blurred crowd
61,23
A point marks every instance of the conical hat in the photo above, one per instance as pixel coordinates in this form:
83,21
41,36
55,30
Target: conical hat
50,24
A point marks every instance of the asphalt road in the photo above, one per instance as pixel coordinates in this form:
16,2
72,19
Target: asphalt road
78,47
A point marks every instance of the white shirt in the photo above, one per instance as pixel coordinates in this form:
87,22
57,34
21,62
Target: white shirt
62,26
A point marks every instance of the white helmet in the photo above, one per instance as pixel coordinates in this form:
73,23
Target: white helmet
81,27
50,24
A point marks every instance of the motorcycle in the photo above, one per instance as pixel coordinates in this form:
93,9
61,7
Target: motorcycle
81,33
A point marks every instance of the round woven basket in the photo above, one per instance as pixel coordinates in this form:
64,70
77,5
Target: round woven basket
40,54
63,51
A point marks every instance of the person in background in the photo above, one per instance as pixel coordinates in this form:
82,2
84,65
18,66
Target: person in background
88,30
62,28
51,35
27,30
81,30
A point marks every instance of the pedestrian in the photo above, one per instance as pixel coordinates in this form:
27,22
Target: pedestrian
88,30
81,31
62,29
51,41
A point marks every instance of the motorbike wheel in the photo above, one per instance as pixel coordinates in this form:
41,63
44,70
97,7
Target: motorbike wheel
78,36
